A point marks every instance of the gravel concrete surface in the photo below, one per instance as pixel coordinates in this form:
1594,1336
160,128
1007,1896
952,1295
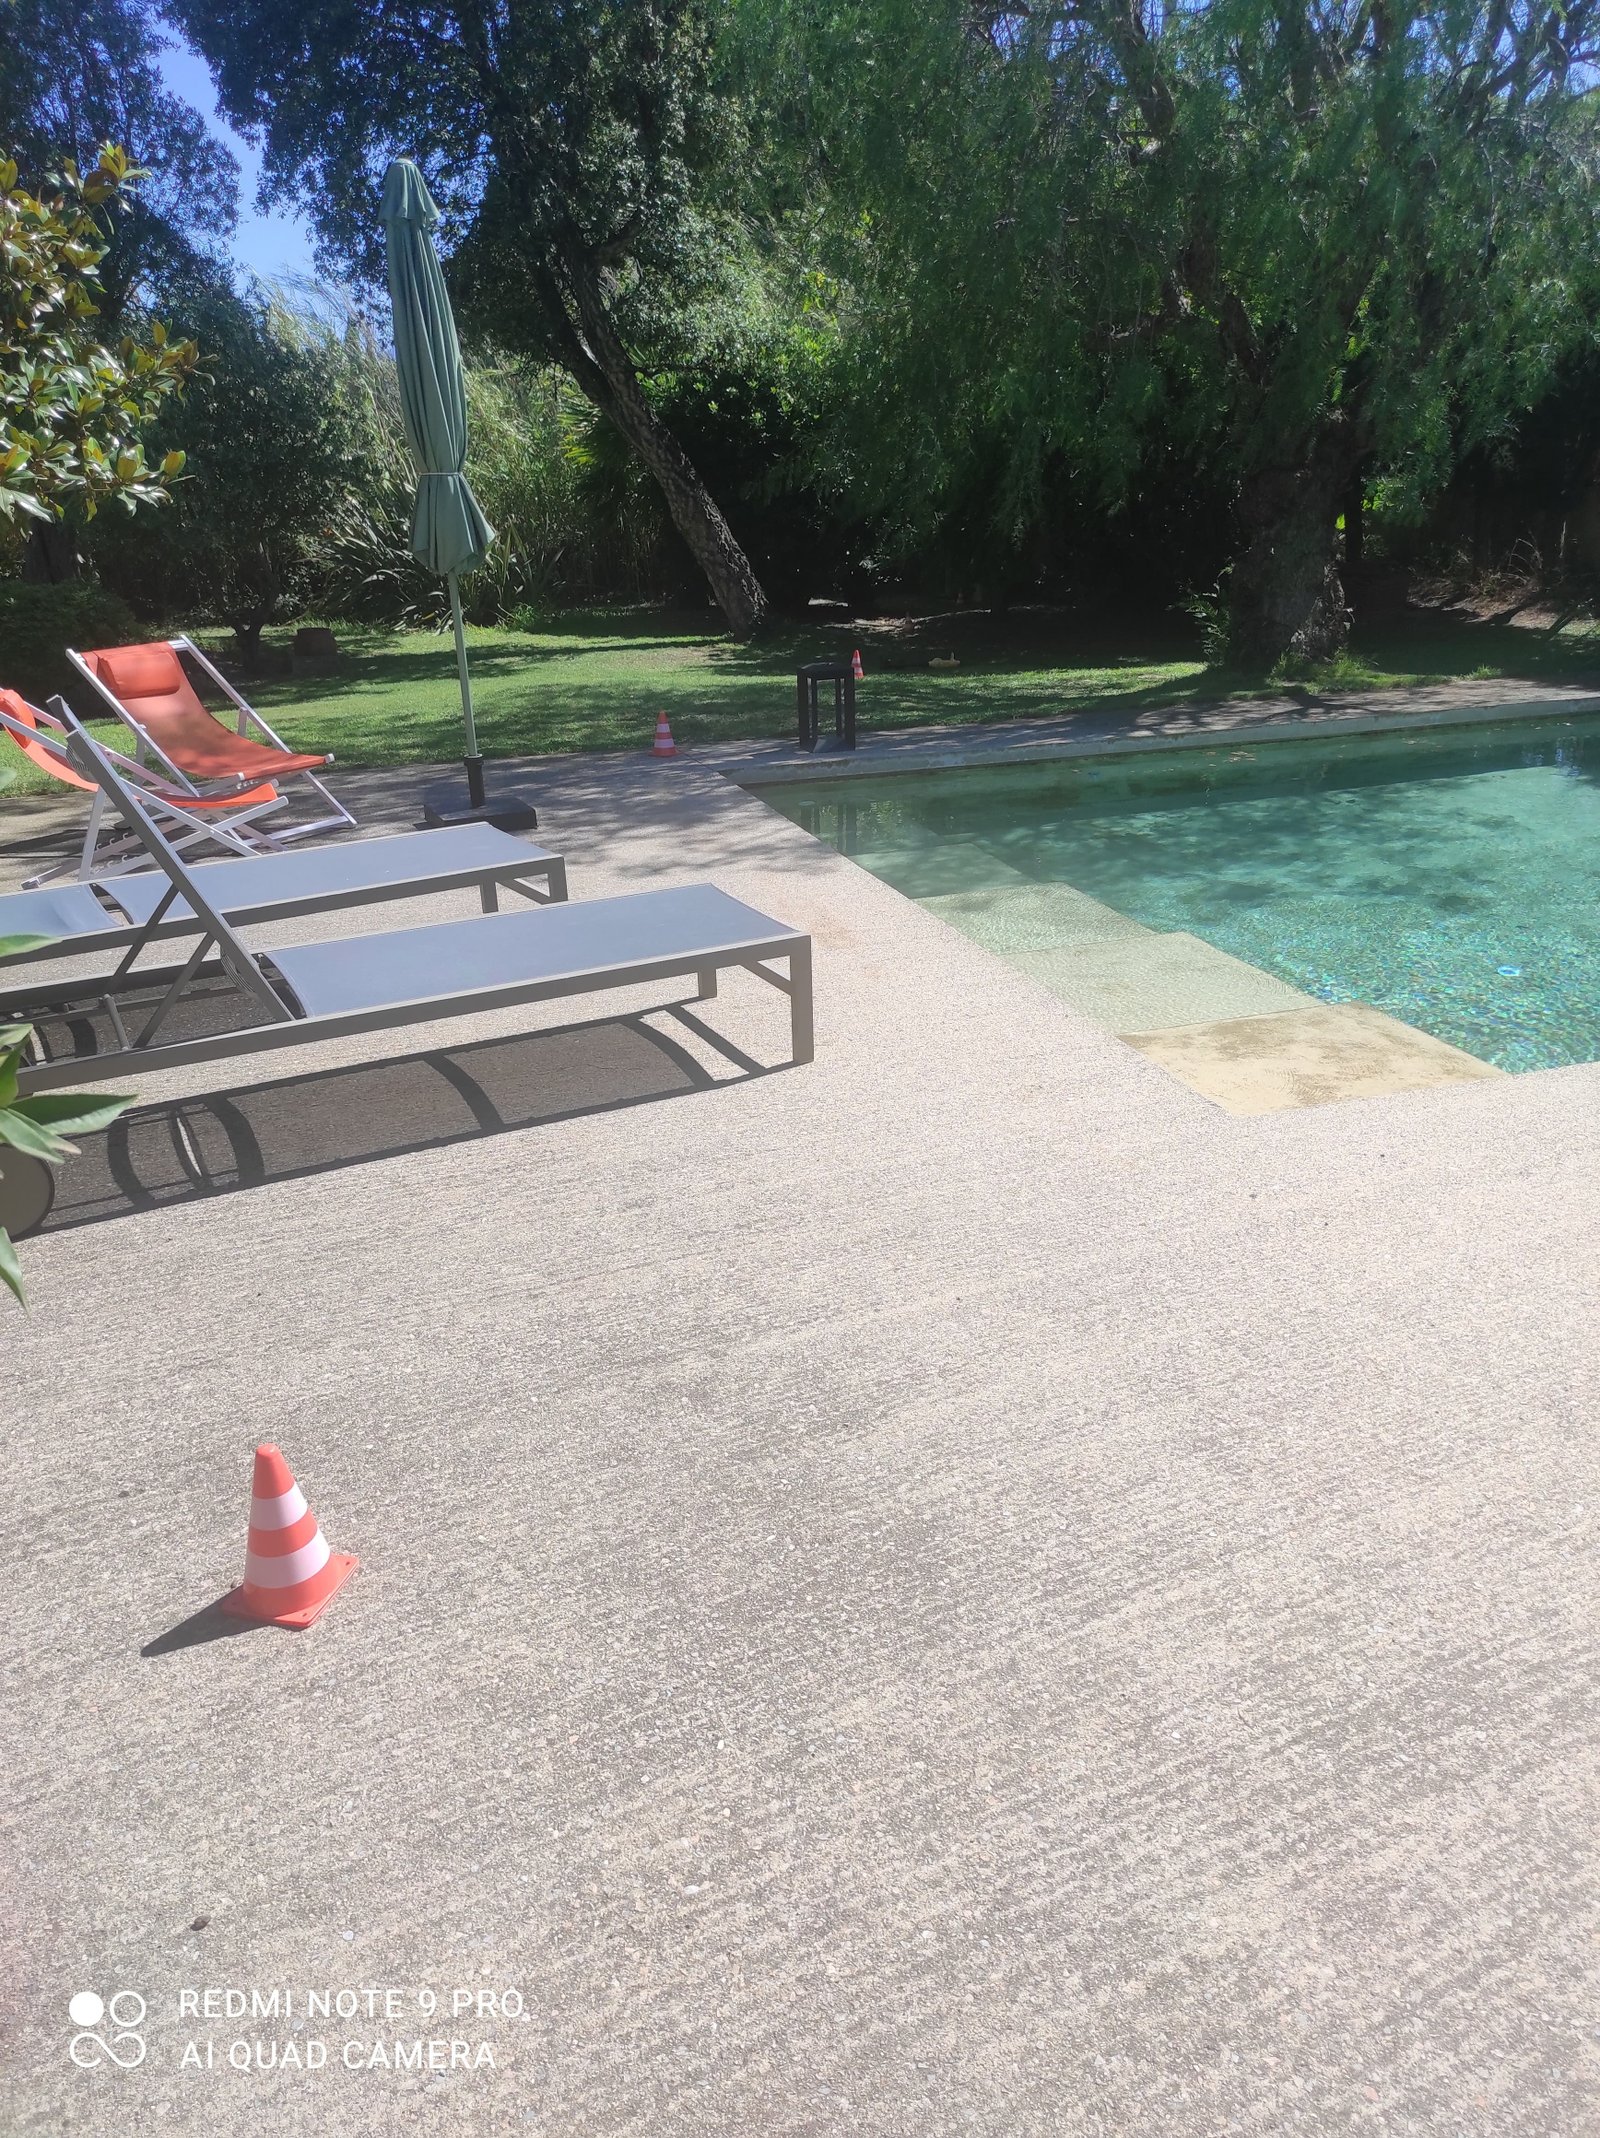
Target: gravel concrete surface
955,1589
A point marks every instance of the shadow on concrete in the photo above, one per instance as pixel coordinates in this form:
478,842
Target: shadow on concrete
188,1149
198,1628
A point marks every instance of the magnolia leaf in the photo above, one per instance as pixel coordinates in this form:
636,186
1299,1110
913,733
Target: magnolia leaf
10,1267
32,1136
73,1113
19,501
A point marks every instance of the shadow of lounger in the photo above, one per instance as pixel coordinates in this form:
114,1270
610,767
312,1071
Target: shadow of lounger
187,1149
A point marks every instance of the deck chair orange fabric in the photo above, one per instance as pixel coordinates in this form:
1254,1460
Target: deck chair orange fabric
148,688
229,821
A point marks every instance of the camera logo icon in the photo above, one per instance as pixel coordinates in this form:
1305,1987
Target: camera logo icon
121,2044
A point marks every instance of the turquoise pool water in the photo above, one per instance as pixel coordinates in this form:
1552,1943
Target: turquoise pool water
1451,877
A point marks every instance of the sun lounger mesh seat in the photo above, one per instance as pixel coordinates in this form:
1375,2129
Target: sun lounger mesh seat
583,942
128,912
377,982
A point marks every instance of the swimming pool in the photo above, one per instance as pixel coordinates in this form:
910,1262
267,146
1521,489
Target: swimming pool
1450,877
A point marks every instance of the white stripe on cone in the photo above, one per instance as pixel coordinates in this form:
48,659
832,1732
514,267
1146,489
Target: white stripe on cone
278,1512
284,1571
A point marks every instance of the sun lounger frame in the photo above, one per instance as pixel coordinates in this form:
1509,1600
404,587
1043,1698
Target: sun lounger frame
284,1021
534,874
278,836
104,854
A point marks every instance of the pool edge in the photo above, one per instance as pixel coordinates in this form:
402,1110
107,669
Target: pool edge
980,752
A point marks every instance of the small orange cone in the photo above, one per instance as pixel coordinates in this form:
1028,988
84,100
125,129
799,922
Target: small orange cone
664,745
290,1576
856,668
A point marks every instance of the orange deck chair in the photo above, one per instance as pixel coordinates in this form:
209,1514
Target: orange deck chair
230,821
147,688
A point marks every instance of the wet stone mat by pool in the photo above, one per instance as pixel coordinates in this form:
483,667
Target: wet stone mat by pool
1307,1057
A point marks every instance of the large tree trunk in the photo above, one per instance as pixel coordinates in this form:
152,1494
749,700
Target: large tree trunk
1285,595
51,554
247,637
604,370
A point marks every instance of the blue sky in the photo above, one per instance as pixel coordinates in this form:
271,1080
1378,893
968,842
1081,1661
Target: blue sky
273,246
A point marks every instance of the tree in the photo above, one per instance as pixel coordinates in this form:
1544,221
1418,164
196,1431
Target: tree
74,73
72,411
271,448
1310,243
568,147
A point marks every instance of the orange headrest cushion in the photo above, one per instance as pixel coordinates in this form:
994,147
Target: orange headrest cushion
19,708
138,671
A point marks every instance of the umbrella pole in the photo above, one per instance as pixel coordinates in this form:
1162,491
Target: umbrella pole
474,762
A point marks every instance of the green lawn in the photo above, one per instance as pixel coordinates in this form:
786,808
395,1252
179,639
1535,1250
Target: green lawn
596,680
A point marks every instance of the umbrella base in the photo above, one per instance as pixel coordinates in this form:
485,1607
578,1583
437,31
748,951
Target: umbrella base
450,803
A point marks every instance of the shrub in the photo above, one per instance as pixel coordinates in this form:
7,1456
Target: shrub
268,458
567,525
39,622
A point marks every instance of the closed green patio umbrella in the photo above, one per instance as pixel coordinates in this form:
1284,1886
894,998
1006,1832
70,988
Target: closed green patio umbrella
448,530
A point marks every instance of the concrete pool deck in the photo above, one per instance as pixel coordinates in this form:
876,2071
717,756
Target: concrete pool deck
959,1588
1291,713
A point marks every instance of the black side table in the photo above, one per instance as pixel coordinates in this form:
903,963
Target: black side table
842,676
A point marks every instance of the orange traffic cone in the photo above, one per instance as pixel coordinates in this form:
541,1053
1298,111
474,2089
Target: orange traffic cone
290,1576
664,745
856,668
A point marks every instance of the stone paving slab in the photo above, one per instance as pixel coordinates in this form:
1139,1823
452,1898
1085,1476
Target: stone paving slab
1308,1057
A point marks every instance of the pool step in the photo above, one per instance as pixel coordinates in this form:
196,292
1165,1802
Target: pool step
1148,982
923,864
1307,1057
1033,916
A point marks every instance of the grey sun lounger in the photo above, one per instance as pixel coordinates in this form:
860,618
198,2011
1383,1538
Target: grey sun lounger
127,912
379,982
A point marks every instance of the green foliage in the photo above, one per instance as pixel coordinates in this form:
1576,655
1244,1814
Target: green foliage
568,521
574,152
987,301
595,117
38,622
273,445
1208,612
1285,244
563,527
74,73
40,1126
300,484
72,411
573,516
